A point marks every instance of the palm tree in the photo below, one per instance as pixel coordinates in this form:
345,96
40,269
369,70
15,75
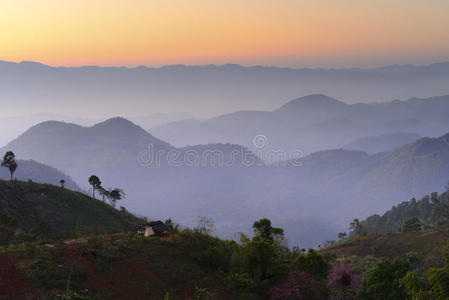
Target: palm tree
95,182
9,161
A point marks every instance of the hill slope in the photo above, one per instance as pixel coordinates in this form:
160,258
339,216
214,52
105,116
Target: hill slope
49,211
426,244
37,172
382,143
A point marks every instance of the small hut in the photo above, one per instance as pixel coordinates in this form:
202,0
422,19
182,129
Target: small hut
153,228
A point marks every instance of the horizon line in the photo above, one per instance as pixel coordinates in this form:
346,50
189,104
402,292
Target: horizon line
219,66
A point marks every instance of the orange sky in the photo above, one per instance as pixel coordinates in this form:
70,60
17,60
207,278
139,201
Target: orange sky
266,32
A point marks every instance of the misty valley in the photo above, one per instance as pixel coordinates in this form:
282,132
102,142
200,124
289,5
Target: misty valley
221,189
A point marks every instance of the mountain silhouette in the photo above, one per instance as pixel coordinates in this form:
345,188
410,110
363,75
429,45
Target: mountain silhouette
301,195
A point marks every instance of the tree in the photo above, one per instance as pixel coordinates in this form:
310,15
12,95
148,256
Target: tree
415,286
438,278
356,228
9,161
298,285
413,224
62,183
116,195
342,235
343,281
312,263
383,280
264,229
262,261
440,208
435,287
95,182
172,226
104,193
205,225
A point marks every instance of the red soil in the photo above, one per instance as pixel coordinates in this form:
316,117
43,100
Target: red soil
13,284
123,280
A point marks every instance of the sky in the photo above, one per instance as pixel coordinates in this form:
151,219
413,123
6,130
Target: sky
293,33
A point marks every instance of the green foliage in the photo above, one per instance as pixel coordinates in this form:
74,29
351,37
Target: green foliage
413,224
239,282
264,229
414,286
45,269
439,283
95,182
313,263
342,235
115,195
383,280
7,220
430,210
167,296
261,258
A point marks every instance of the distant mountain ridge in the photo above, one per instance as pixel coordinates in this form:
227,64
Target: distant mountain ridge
37,172
313,123
205,90
61,144
383,143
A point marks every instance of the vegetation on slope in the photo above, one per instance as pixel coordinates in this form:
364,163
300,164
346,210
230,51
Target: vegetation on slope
191,264
31,211
426,213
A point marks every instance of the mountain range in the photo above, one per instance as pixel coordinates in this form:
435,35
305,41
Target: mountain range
203,91
313,123
312,197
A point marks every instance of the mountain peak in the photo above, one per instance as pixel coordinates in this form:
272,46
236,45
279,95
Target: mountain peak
120,121
318,101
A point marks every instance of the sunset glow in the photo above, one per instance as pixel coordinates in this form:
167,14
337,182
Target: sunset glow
283,32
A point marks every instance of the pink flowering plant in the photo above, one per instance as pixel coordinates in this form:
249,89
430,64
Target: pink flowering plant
343,281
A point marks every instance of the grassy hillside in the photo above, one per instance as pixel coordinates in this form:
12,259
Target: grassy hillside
47,211
391,245
425,245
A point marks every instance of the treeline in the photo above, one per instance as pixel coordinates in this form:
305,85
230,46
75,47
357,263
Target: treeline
263,267
425,214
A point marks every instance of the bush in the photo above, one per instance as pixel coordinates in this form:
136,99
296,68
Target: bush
382,281
44,269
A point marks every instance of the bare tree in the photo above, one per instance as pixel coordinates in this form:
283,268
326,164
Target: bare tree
205,225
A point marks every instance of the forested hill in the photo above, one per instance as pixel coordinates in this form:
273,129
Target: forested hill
426,213
33,210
